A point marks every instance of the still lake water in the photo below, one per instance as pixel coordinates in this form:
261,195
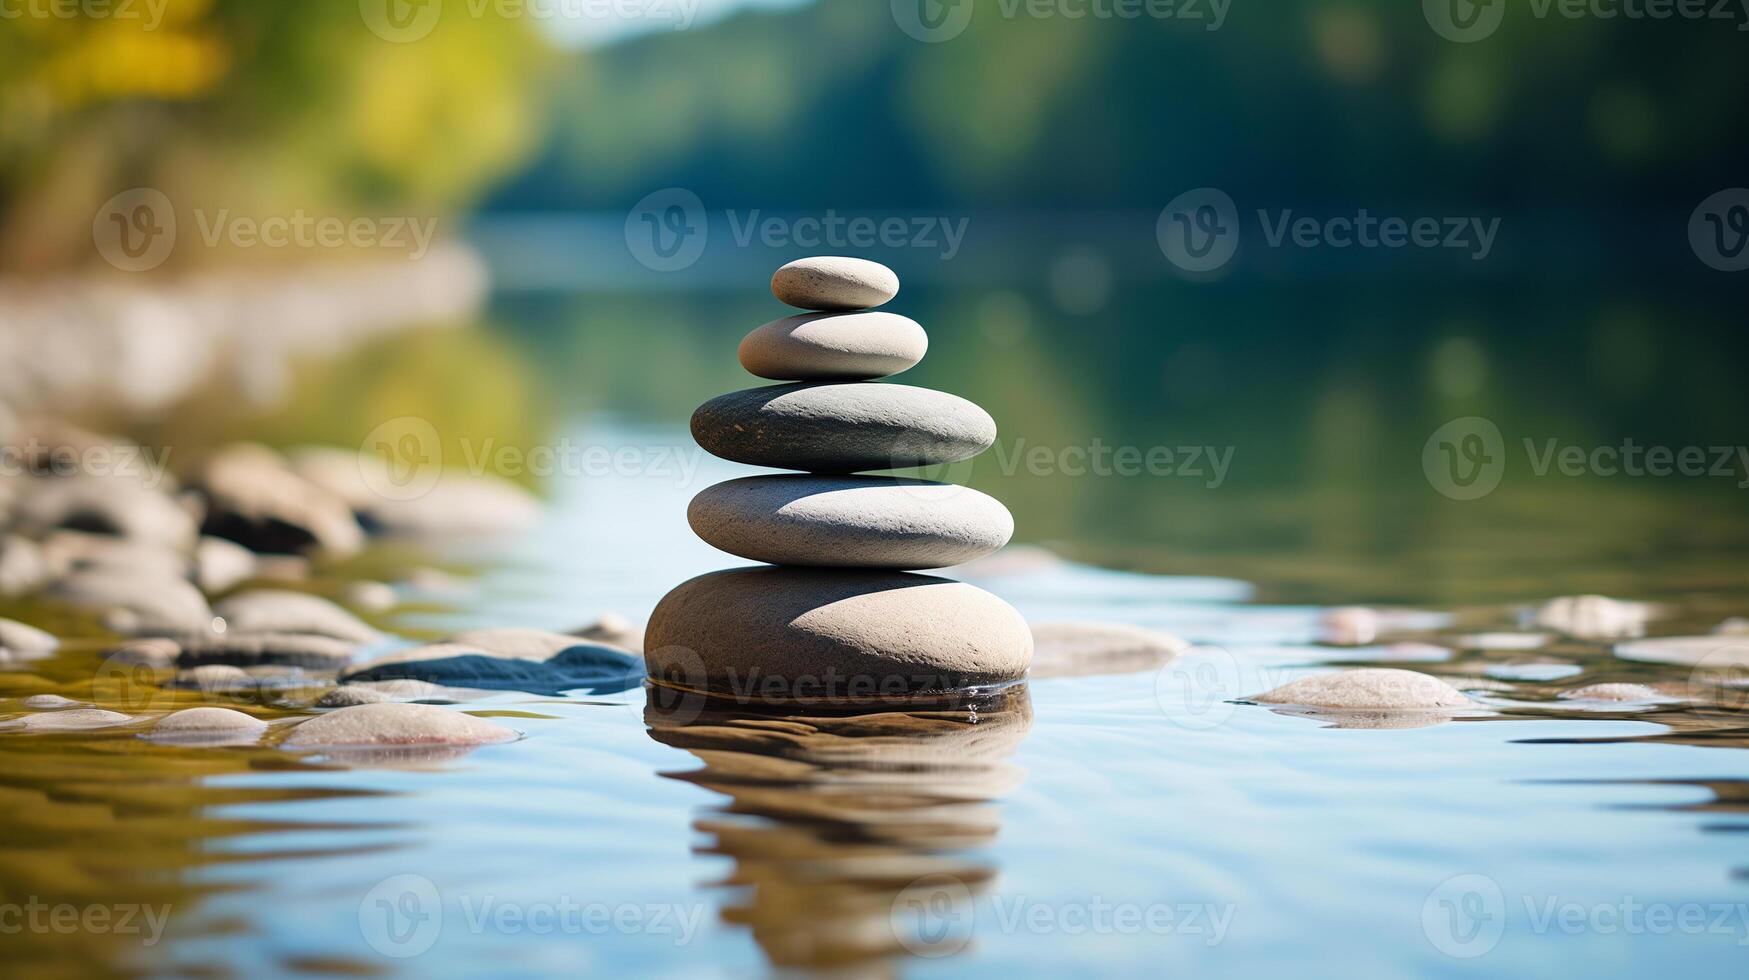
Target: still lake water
1132,820
1145,822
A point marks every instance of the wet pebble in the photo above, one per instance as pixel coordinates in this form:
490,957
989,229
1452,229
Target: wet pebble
1371,687
215,678
256,500
25,640
1709,651
250,649
282,611
48,702
1074,649
70,720
521,665
1539,672
112,505
23,569
396,724
208,724
453,503
221,565
613,630
1615,692
1594,617
131,603
371,596
404,689
154,651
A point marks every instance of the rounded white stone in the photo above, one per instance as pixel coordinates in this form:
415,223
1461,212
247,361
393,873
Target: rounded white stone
834,282
850,521
1369,687
787,635
834,347
390,723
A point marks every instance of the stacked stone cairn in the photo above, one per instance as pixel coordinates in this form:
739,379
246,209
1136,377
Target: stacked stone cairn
839,614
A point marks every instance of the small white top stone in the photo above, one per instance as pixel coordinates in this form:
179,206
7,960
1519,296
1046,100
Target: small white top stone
834,282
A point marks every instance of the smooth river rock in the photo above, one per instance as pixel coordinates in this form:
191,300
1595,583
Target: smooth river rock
834,282
285,611
70,720
1715,652
256,500
1617,691
1368,688
136,604
850,521
842,428
576,665
789,635
208,725
834,347
25,639
1071,649
391,723
240,649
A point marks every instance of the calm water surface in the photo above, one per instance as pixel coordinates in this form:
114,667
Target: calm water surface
1144,821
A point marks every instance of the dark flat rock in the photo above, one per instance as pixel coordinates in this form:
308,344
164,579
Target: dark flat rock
842,428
